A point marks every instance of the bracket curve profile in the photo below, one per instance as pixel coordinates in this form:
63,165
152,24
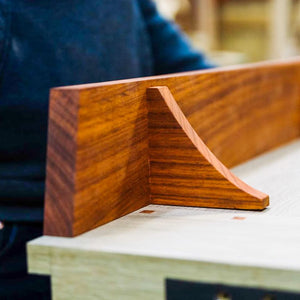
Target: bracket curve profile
183,171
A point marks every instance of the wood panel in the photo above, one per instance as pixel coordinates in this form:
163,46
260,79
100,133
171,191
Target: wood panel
238,112
183,171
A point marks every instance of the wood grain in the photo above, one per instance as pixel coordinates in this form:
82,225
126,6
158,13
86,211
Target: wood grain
61,163
183,171
109,160
102,171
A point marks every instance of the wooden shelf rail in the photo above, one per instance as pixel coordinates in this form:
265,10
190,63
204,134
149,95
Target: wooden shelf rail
118,146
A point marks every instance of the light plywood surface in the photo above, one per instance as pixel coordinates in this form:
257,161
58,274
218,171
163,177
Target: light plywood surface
130,258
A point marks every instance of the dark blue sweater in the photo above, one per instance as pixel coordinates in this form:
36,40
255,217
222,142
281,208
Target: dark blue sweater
48,43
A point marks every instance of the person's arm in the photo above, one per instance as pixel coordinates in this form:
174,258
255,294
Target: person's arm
171,49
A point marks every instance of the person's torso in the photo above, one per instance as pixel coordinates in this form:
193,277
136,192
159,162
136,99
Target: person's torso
54,43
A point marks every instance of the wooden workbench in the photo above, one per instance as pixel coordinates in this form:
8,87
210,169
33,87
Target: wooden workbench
130,258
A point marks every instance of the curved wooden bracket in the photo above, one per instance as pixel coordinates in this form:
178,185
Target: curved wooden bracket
183,171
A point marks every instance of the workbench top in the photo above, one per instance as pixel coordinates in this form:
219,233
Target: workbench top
132,256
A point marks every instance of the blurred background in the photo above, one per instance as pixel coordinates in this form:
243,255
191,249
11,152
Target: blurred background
238,31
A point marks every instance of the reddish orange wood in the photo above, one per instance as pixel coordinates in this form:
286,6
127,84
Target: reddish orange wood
61,163
183,171
98,154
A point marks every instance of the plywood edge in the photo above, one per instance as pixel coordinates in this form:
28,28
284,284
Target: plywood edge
137,272
183,171
38,258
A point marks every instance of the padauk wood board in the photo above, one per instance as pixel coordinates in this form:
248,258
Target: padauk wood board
98,147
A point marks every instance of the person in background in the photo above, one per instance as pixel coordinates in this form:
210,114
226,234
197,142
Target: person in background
54,43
